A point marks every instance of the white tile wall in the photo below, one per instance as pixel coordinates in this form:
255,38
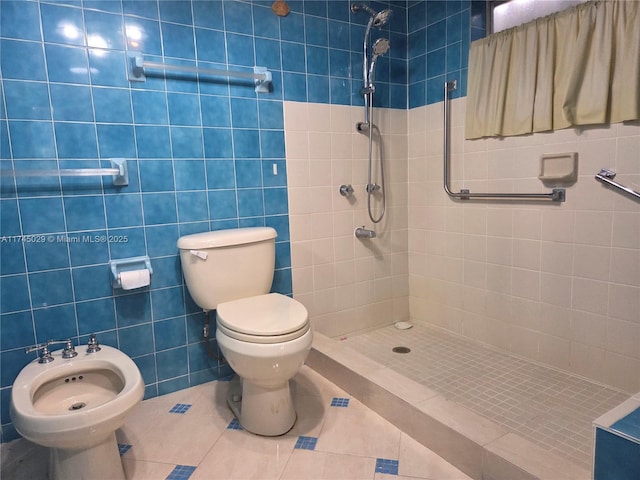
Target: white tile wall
346,284
555,283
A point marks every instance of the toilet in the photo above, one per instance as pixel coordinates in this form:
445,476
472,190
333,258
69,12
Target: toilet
264,336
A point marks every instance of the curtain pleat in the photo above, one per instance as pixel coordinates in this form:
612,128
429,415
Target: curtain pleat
578,67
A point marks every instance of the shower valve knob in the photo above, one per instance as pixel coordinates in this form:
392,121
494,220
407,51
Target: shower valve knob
346,190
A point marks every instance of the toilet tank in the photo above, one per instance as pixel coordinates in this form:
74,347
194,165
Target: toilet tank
227,265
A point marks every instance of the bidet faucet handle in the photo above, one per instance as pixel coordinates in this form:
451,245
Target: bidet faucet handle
45,354
93,346
69,350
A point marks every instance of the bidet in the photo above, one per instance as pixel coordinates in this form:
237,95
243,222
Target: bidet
74,405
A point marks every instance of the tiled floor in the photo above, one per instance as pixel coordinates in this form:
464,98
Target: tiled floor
191,434
551,408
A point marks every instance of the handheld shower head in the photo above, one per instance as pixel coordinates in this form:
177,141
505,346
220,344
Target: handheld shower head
380,47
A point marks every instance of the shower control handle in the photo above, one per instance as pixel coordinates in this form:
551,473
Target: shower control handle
346,190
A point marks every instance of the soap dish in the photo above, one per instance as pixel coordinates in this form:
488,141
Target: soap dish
559,167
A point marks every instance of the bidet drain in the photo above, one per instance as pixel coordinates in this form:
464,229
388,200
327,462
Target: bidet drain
77,406
401,349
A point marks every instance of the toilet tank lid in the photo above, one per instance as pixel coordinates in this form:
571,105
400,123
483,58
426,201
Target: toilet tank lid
225,238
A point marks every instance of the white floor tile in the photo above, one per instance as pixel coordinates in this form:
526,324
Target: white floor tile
315,465
349,440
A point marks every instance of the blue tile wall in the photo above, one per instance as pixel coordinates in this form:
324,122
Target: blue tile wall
616,457
438,37
200,153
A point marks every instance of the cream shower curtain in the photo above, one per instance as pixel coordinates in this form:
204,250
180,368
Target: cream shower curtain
580,66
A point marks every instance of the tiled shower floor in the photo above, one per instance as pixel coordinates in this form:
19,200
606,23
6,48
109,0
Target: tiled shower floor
191,434
550,408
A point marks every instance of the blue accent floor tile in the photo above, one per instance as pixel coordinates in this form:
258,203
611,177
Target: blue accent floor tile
180,408
306,443
181,472
629,425
339,402
390,467
234,425
123,448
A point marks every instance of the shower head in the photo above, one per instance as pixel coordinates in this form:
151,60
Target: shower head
381,18
380,47
378,19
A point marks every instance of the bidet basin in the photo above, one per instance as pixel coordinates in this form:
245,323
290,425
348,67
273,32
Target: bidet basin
74,406
70,393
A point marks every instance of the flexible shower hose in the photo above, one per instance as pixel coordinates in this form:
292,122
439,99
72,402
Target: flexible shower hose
382,185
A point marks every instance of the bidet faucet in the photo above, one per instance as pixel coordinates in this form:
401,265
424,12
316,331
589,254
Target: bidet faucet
45,354
69,350
93,346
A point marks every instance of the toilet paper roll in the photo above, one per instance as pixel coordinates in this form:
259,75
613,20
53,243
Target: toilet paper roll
135,279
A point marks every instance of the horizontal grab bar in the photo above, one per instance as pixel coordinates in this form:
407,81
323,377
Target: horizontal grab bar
606,176
555,195
137,65
118,171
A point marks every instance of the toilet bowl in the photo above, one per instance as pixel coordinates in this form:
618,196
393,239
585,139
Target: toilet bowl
74,406
266,340
264,336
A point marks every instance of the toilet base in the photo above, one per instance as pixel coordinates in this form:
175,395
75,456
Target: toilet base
100,461
261,410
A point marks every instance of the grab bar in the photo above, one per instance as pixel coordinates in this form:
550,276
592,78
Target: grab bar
118,171
606,176
137,65
555,195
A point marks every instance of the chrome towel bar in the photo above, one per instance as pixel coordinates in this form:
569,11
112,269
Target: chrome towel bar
118,171
136,66
606,176
555,195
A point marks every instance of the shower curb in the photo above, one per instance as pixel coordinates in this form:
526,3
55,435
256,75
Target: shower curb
475,445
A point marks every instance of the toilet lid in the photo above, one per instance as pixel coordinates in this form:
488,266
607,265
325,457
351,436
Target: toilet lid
264,315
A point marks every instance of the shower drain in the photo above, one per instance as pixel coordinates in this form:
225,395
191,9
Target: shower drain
401,349
77,406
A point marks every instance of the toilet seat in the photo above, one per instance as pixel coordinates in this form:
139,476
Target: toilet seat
271,318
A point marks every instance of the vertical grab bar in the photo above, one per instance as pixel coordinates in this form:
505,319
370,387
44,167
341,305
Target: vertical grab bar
556,195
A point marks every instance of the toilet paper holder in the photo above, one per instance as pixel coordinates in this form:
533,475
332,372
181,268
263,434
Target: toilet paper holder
126,265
